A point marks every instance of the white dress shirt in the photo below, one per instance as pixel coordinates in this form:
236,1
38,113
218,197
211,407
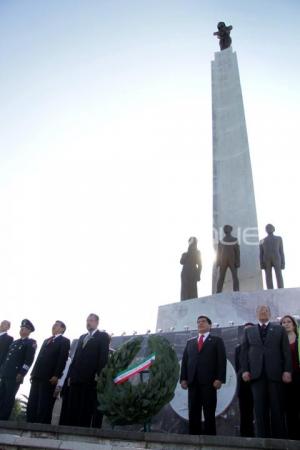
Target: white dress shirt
203,334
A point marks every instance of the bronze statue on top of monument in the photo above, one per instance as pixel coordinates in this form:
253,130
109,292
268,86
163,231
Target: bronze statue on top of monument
190,274
223,35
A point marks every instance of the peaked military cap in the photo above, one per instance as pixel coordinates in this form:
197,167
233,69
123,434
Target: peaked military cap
27,324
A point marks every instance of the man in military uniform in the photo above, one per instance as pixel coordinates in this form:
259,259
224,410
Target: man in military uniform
5,340
45,374
16,365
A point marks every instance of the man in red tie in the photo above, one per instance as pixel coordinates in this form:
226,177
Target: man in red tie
203,370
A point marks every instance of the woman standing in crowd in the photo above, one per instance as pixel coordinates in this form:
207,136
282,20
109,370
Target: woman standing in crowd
292,390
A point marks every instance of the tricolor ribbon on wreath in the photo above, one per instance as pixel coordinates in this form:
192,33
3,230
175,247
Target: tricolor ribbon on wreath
124,375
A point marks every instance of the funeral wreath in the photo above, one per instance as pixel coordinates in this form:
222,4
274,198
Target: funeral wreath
124,401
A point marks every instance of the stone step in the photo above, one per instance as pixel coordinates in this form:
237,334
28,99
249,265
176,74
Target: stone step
23,436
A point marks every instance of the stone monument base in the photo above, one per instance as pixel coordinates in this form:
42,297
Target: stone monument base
228,308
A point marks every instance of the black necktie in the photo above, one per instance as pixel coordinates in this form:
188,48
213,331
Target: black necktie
50,340
263,331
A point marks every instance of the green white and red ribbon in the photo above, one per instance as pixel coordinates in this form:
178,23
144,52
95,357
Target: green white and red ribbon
124,375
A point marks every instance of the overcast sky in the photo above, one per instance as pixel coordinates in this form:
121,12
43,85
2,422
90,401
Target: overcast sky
106,150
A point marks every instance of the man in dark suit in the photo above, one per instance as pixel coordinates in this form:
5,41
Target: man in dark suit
203,370
19,358
5,340
266,363
228,256
47,369
244,394
62,388
90,357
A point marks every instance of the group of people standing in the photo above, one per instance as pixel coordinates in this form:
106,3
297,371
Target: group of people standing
58,370
278,383
268,371
267,365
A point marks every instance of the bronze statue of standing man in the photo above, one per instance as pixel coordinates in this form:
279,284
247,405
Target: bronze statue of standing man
271,255
228,256
190,274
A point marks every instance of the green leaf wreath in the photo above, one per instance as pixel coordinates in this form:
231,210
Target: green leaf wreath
127,403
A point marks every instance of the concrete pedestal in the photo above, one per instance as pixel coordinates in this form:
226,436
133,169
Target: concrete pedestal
228,308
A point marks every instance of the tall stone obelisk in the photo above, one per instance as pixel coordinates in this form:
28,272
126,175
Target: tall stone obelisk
233,193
